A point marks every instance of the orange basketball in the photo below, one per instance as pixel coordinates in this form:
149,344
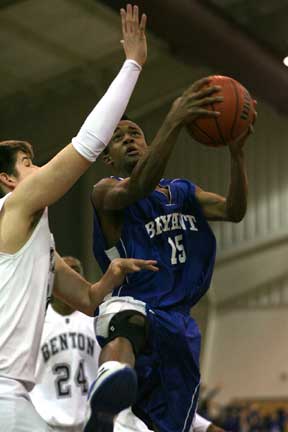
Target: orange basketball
237,113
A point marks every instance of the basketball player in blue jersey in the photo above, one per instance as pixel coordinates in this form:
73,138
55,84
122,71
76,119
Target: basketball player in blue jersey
145,326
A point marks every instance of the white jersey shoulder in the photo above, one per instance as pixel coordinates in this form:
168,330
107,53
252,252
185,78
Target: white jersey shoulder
26,282
66,366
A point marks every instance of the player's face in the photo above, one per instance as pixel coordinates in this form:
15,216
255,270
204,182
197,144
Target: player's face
24,166
126,146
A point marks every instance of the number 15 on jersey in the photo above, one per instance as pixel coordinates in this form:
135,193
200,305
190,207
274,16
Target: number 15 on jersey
178,254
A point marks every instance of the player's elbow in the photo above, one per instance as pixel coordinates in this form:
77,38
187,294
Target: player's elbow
236,217
235,214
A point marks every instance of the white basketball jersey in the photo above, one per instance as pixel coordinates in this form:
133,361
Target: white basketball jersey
67,365
25,283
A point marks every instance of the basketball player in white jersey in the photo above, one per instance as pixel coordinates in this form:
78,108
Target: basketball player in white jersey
27,259
66,365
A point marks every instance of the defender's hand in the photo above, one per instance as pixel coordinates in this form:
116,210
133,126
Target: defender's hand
191,105
134,39
120,267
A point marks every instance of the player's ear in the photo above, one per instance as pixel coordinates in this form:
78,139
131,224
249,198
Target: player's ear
7,180
106,158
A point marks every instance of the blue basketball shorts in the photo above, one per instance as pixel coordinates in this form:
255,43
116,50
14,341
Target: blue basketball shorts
168,373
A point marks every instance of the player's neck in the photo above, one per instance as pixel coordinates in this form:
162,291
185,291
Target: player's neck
124,173
61,308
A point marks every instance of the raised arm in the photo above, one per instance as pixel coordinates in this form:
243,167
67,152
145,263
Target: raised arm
114,195
233,207
53,180
73,289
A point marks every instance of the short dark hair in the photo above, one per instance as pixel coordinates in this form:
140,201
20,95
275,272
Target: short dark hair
8,154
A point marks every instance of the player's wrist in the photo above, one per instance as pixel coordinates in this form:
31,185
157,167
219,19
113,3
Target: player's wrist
173,121
237,154
134,61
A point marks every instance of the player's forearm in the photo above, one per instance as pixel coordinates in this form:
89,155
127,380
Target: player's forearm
98,128
76,291
149,170
236,202
100,290
56,177
72,288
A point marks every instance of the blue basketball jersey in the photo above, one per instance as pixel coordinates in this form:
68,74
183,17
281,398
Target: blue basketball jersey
172,231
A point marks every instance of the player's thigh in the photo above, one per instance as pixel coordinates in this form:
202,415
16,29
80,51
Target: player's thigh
19,415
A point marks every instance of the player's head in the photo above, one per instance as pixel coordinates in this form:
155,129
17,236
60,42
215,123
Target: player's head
60,306
15,163
126,147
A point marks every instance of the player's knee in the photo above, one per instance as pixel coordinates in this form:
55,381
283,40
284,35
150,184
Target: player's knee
131,325
119,344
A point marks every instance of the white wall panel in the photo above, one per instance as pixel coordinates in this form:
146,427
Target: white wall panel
246,351
267,155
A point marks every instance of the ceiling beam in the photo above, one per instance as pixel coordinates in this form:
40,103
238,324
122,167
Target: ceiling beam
8,3
196,35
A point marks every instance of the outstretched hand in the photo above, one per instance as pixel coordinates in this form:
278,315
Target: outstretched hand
133,31
120,267
193,102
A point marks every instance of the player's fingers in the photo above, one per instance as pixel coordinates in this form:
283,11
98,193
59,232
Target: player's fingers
123,21
129,18
197,85
132,268
144,263
139,264
152,268
147,266
208,100
201,112
137,268
143,23
135,17
206,92
150,262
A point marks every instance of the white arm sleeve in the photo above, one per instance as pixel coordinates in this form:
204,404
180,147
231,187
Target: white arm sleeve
200,424
98,128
